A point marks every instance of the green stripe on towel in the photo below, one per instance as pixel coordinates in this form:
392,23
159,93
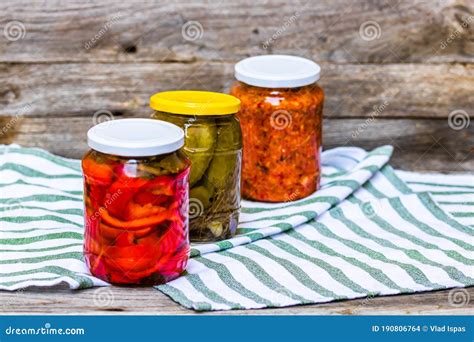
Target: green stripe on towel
360,235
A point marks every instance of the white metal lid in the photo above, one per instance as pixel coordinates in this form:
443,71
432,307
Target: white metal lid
135,137
277,71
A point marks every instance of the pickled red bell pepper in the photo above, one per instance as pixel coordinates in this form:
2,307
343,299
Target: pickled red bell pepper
134,224
136,221
96,172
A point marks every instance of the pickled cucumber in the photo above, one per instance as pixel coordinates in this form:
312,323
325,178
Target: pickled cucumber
199,147
202,195
225,160
214,146
172,163
199,142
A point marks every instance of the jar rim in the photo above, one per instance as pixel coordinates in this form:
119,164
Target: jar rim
195,102
277,71
135,137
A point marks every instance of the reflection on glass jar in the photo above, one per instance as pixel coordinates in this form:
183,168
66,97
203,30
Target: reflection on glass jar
281,120
136,202
213,143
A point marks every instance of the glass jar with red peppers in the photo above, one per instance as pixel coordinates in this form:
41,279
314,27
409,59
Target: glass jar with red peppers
281,119
136,202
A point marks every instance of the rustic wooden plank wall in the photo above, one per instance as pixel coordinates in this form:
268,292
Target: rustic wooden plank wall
394,72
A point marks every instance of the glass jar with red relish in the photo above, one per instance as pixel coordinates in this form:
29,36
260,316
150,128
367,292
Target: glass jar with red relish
136,202
281,120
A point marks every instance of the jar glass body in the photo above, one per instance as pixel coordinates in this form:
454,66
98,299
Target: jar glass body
213,143
136,217
282,132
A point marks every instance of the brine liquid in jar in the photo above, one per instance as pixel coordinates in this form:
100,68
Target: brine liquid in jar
213,143
136,202
281,121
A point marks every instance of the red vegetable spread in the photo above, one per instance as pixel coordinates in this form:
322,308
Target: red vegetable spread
136,225
281,131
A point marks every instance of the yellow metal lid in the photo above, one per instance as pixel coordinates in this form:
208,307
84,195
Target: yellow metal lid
194,102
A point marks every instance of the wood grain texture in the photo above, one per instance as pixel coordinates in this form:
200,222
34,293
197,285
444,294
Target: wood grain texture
151,31
420,144
353,90
74,59
148,301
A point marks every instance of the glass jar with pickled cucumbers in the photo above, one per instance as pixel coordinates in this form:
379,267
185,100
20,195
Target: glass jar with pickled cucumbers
213,143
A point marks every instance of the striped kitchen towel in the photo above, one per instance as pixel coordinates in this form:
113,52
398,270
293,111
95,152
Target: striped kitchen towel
400,232
41,214
41,220
368,231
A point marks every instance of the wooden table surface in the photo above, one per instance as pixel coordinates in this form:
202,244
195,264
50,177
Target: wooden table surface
73,64
148,301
